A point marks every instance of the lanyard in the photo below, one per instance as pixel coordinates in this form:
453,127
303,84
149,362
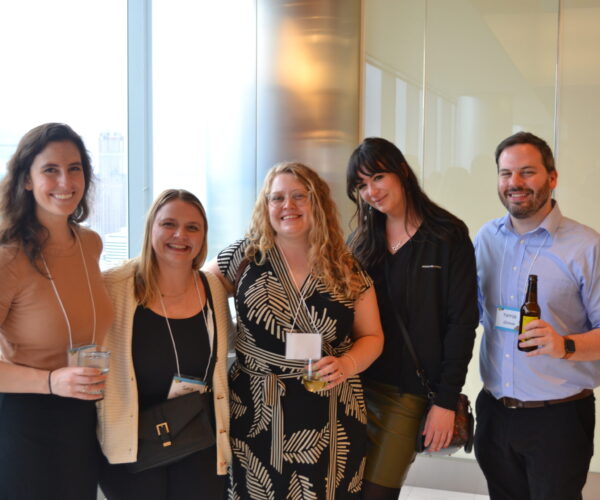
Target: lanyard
60,302
302,302
537,253
209,327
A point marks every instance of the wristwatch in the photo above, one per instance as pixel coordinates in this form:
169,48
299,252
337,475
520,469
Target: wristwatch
569,347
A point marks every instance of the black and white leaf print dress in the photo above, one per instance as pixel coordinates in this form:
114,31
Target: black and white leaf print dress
289,443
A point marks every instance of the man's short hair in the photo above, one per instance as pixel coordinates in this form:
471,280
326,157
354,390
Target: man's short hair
528,138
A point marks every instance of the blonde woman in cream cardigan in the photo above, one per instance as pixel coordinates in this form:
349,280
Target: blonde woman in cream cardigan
163,320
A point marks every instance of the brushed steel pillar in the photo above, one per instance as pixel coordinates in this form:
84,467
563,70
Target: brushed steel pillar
308,70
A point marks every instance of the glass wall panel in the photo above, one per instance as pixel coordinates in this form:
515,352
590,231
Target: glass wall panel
489,69
578,161
66,61
481,87
394,74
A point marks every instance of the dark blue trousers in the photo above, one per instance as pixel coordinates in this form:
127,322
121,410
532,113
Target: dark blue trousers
534,453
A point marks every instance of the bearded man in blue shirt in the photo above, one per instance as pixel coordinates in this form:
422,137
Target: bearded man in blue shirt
536,412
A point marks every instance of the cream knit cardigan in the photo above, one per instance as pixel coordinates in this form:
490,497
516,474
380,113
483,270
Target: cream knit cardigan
118,412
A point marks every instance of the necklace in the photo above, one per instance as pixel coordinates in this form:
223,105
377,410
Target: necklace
396,246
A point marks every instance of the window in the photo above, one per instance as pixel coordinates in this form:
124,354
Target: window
66,61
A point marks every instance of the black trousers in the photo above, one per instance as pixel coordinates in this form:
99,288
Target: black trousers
192,478
534,453
48,448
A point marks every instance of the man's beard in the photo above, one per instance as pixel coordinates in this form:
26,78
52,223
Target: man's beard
531,206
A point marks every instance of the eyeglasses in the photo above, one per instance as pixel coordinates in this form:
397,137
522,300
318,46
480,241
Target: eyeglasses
300,198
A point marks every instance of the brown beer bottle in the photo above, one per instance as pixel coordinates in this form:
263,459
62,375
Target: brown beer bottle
530,310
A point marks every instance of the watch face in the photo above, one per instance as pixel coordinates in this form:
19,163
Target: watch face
569,346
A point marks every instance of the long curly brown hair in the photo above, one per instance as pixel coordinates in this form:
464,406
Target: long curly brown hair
329,258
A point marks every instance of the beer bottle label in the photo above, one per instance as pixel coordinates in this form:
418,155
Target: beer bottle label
526,320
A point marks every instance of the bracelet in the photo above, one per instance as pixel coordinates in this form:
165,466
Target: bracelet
353,362
50,382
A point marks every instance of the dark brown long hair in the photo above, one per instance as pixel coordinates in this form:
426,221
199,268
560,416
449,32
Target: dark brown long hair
18,221
368,242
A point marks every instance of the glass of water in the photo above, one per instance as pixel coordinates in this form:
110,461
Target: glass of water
95,359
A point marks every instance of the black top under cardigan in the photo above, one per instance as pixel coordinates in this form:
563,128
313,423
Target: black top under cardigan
434,285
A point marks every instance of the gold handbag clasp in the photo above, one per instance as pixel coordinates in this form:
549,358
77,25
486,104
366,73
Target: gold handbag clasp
163,432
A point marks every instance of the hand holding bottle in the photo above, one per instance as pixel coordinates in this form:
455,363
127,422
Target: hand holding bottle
542,338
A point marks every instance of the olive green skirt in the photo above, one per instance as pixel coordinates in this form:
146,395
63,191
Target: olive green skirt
393,424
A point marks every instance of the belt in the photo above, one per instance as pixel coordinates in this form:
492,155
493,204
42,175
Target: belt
514,403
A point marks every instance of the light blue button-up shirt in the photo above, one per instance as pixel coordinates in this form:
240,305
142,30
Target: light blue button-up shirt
565,255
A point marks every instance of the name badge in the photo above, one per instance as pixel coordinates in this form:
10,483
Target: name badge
507,318
303,345
73,353
184,385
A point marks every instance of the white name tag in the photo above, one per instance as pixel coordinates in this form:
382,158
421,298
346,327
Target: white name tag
303,346
185,385
507,318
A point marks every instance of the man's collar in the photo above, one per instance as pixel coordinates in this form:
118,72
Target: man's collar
549,224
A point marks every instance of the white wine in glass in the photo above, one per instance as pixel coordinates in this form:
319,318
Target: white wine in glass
311,380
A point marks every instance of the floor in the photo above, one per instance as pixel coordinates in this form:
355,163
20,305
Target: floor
414,493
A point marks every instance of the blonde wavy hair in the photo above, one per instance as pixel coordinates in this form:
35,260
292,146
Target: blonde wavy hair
329,258
146,274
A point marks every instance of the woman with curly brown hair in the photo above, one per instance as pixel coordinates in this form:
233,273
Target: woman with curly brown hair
52,301
293,275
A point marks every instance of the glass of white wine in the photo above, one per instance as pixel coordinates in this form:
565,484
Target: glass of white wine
310,378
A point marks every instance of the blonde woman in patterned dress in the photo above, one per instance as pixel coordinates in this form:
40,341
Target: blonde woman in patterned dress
293,273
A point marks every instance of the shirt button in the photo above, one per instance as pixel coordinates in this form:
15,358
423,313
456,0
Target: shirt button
507,355
514,268
506,384
220,396
512,297
521,242
221,431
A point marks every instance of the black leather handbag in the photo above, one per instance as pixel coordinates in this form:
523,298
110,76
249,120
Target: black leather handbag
174,429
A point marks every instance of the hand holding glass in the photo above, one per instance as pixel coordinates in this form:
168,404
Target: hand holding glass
95,359
310,378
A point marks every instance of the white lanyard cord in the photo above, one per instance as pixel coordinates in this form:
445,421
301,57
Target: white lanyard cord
302,301
60,302
537,253
171,331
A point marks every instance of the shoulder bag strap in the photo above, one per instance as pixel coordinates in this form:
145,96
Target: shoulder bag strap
400,324
208,293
